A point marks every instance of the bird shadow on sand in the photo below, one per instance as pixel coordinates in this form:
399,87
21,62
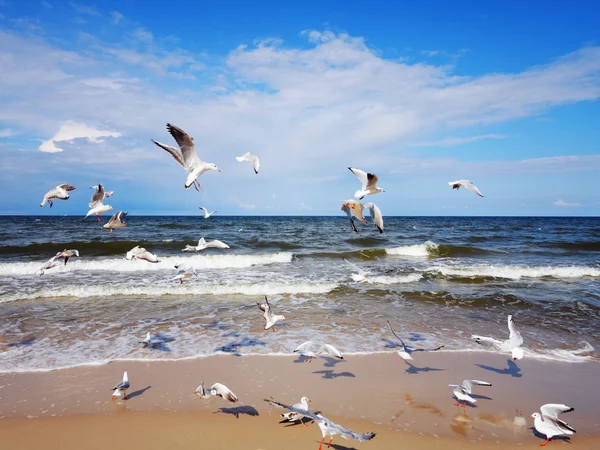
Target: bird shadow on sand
27,342
160,342
513,370
233,347
337,446
414,370
330,374
137,393
246,410
536,433
304,420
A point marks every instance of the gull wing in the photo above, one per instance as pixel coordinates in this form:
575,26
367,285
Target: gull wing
121,385
375,215
224,392
554,409
468,384
348,211
357,209
203,209
488,340
175,153
304,347
67,187
360,271
97,196
304,412
330,350
186,143
397,337
470,186
373,179
515,337
345,432
255,163
362,176
266,307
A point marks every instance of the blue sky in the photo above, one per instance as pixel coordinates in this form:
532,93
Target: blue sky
421,93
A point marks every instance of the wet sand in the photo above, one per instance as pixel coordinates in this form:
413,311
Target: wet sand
408,406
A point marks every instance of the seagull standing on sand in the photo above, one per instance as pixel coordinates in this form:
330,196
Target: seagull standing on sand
116,221
294,416
466,183
202,245
462,391
138,252
548,422
66,254
121,387
327,427
60,192
512,344
184,272
216,390
52,262
406,351
369,183
147,341
250,158
309,351
206,213
186,156
270,318
354,208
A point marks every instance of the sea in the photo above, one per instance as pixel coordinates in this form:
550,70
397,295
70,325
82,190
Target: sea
436,279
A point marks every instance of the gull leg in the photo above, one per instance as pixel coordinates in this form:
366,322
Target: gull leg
50,202
457,403
544,444
181,281
98,217
273,329
110,230
329,445
321,445
113,398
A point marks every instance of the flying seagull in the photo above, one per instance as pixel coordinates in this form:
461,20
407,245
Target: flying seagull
270,318
548,422
294,416
202,245
512,344
66,254
51,263
362,275
216,390
466,183
250,158
206,213
309,350
462,391
184,272
186,156
121,387
60,192
406,351
327,427
116,221
369,183
99,195
354,208
138,252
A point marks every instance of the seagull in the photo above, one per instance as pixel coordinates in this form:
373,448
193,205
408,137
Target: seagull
462,391
99,195
52,262
186,156
369,183
354,208
184,272
250,158
466,183
294,416
66,254
60,192
328,428
362,275
202,245
147,341
121,388
548,422
216,389
271,318
138,252
206,213
307,349
116,221
512,344
406,351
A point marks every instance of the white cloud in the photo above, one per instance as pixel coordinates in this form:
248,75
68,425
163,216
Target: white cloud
562,203
116,17
84,9
304,207
72,130
451,142
6,132
143,35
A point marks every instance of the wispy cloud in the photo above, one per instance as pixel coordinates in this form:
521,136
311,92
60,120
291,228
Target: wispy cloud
70,131
304,207
116,17
563,204
84,9
6,132
453,141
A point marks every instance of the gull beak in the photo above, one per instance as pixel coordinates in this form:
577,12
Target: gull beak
309,400
531,416
218,169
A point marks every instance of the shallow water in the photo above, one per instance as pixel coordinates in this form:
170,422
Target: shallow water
438,280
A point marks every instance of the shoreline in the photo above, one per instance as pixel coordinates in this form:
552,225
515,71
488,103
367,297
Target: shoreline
376,391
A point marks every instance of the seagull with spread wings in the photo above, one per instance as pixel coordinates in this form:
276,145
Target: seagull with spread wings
269,316
548,422
465,183
116,221
406,351
462,391
60,192
206,213
354,208
250,158
138,252
511,345
216,390
186,156
369,183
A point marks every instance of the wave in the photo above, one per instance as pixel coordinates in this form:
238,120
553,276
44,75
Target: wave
166,263
398,279
429,248
489,271
187,289
89,248
576,246
282,245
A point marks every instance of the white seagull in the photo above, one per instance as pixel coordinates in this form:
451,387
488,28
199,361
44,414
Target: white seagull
60,192
206,213
99,195
184,272
369,183
147,341
309,350
66,254
406,351
462,391
202,245
250,158
138,252
466,183
327,427
362,275
354,208
216,390
548,422
116,221
511,345
186,156
121,387
270,318
294,416
51,263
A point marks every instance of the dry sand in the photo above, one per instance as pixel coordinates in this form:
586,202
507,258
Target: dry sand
407,406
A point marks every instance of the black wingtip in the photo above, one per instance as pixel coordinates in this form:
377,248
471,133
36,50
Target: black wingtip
256,172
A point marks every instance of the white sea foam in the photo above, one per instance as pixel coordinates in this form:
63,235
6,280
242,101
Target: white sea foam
417,250
166,263
515,272
397,279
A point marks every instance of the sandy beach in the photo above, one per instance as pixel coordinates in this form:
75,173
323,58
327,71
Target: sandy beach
408,406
